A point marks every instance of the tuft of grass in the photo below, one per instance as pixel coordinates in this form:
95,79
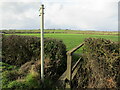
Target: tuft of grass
17,85
11,80
5,66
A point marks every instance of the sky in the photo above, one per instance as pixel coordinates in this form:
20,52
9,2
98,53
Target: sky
99,15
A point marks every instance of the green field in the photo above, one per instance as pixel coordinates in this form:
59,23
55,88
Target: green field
63,31
72,40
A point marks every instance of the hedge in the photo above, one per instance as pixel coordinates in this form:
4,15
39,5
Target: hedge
17,50
100,67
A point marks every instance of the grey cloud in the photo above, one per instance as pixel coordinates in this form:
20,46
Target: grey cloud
61,14
119,15
18,7
16,15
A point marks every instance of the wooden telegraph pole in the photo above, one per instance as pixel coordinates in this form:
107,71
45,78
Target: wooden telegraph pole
42,41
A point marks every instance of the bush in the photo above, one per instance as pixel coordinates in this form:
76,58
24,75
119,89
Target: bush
101,65
17,50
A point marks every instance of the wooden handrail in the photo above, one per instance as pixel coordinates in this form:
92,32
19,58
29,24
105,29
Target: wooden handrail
69,64
74,49
69,74
75,68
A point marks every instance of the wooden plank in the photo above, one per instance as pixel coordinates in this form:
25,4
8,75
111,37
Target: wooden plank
77,63
63,76
74,49
75,68
71,72
69,67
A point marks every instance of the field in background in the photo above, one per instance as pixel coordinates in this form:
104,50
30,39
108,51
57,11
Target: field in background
63,31
71,38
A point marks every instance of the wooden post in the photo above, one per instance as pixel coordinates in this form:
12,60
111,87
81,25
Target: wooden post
69,65
69,69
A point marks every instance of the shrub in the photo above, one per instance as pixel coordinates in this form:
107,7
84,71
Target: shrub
52,69
17,50
101,65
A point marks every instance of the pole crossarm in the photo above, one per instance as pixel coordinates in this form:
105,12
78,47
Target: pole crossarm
41,10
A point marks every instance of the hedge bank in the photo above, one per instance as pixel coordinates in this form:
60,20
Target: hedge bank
17,50
100,67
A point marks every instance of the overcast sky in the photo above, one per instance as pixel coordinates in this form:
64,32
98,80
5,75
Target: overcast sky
99,15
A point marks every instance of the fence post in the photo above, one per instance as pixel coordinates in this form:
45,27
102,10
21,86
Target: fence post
69,69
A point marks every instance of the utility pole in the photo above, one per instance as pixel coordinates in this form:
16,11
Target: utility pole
42,40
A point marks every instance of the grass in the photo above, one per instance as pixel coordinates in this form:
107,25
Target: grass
63,31
72,40
5,66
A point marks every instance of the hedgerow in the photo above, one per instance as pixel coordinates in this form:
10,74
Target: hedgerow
17,50
100,67
24,51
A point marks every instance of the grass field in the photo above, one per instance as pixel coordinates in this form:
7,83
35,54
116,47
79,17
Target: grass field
72,40
64,31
